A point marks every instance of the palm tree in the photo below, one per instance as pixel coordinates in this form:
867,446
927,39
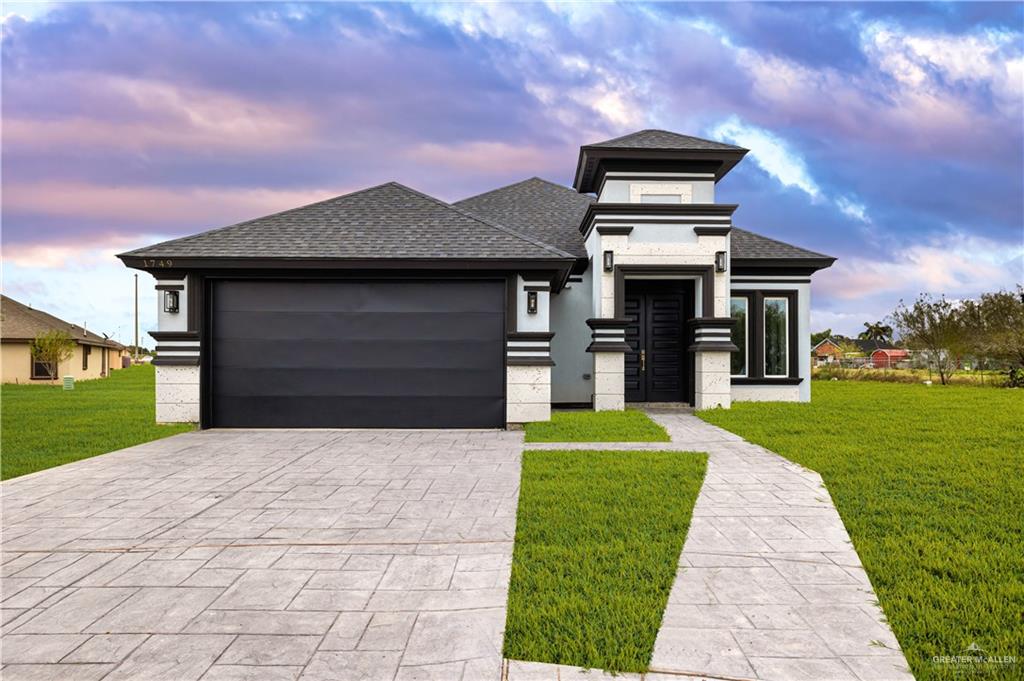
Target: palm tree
878,331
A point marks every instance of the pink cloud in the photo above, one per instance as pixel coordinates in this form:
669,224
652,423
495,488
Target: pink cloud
498,158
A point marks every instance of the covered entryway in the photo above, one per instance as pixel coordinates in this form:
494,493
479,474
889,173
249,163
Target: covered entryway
425,353
658,367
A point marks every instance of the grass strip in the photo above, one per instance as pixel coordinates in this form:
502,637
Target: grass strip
598,539
630,425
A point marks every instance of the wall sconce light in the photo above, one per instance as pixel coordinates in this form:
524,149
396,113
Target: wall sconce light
531,302
609,261
170,301
721,261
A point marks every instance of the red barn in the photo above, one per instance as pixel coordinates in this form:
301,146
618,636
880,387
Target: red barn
886,358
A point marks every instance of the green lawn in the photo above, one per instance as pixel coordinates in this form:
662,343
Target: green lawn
598,537
930,484
630,425
44,426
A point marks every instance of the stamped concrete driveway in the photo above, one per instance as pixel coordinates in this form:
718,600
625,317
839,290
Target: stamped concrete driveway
334,555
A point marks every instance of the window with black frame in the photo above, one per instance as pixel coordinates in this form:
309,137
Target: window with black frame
764,334
42,370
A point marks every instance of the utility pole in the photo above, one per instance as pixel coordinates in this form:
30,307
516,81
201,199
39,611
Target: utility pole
136,352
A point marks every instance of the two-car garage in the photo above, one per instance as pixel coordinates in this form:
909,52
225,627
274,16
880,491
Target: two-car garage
308,353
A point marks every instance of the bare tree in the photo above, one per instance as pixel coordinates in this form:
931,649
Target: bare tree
52,348
933,327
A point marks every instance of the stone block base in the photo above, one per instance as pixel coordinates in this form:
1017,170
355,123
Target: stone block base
528,394
177,394
712,383
609,383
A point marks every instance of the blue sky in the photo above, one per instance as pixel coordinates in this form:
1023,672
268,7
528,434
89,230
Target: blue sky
889,135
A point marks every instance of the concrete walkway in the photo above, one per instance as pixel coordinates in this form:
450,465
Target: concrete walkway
769,586
264,555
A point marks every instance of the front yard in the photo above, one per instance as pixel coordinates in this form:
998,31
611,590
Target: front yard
44,426
930,484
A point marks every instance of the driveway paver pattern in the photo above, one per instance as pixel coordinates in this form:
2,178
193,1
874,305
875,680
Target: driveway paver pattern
769,585
216,555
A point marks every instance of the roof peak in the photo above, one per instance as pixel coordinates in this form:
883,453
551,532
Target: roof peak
657,138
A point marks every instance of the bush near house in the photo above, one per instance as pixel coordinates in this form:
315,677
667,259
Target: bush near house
930,484
45,426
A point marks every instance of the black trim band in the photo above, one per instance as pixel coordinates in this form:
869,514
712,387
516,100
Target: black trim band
614,230
708,230
604,346
176,361
175,335
787,380
530,335
529,361
170,287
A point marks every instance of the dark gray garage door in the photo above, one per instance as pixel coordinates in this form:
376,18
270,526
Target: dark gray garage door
360,354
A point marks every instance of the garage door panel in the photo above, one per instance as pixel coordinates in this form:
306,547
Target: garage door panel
362,412
356,354
354,382
355,296
292,325
419,354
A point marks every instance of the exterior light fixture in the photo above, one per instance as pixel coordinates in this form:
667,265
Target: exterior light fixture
170,301
721,261
531,302
609,261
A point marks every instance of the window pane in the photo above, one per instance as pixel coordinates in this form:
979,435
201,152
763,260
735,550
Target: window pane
776,330
738,310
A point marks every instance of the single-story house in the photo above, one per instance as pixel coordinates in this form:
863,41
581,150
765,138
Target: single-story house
888,358
826,352
387,307
94,355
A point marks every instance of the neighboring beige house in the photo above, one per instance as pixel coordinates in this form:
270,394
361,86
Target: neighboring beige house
94,355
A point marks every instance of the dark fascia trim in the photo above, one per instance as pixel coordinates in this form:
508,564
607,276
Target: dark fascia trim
604,210
715,346
591,156
705,272
712,231
712,322
529,362
170,287
581,265
546,287
608,322
779,280
604,346
790,266
615,230
530,335
767,381
572,405
174,335
556,269
176,361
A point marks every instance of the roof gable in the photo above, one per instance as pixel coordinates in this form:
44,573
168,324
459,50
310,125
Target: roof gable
663,139
747,245
386,221
541,209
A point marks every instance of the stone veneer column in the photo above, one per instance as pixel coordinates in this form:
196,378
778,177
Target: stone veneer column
177,394
528,377
713,346
608,343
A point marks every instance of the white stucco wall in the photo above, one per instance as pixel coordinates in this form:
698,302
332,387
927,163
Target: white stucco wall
766,393
172,321
618,190
540,320
570,310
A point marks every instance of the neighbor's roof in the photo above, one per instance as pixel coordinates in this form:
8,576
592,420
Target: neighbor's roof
21,322
386,221
544,210
663,139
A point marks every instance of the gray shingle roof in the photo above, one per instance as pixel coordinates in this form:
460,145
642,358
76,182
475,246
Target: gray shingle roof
386,221
544,210
21,322
663,139
747,245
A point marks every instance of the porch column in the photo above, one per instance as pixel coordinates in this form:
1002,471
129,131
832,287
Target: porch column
177,351
713,348
528,354
608,343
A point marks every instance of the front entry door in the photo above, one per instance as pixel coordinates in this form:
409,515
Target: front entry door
657,363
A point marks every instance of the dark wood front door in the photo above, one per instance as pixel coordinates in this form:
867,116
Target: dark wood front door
657,365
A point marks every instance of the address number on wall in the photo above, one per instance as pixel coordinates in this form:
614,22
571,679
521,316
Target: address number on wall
157,263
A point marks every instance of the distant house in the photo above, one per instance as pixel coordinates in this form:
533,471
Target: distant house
94,355
826,352
887,358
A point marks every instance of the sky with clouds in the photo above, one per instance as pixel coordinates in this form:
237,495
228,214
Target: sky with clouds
889,135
